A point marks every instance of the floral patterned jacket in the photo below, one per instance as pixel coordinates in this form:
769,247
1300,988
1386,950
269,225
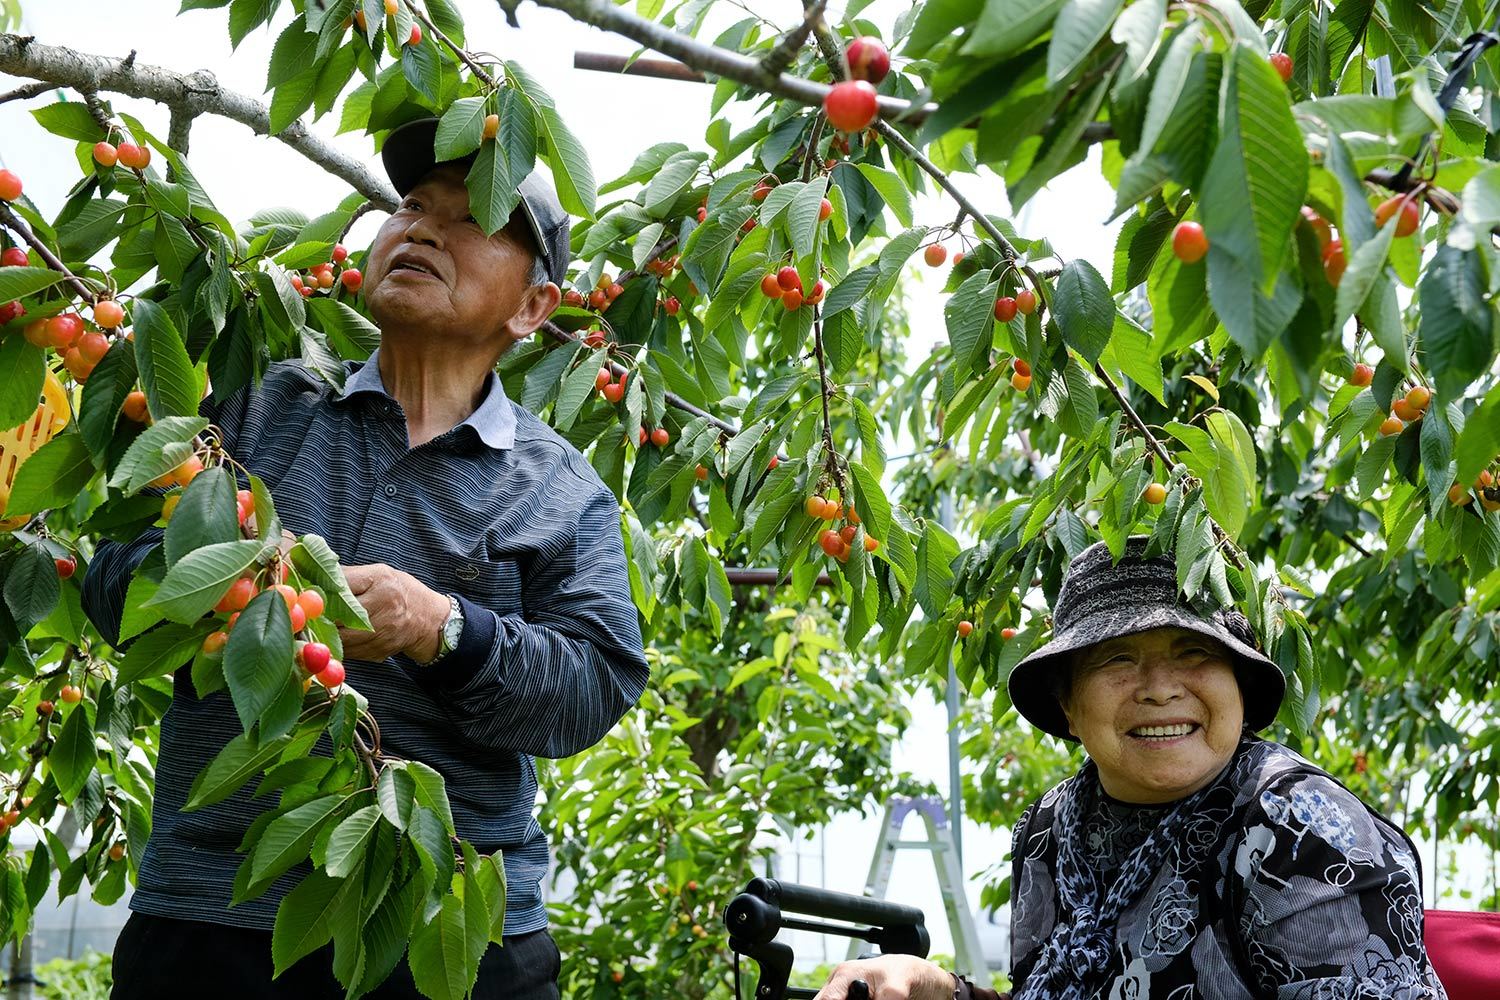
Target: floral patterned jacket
1287,887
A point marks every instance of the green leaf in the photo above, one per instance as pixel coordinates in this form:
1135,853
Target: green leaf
69,119
286,840
1084,310
292,53
31,585
166,374
395,793
303,918
1079,26
241,759
23,370
346,848
492,197
970,317
157,450
571,173
1255,183
206,515
439,956
103,396
802,216
517,136
1456,331
258,656
52,476
668,183
19,282
431,793
936,550
72,758
423,69
870,502
1365,268
160,651
1072,401
137,618
1479,442
199,579
320,566
292,98
461,129
348,331
1007,26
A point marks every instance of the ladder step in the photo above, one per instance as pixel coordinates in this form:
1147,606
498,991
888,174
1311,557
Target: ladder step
925,845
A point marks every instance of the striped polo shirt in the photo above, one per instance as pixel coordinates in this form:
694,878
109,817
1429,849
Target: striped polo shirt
499,511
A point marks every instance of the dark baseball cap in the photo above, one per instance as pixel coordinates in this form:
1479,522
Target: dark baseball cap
408,157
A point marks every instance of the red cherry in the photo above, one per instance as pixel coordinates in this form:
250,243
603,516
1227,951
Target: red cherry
63,329
672,305
602,379
770,287
14,257
792,299
92,347
214,642
11,311
1188,242
71,693
964,628
1363,375
1334,262
700,472
1022,368
10,186
105,154
573,297
66,566
340,252
1320,226
595,338
133,156
237,596
816,295
788,278
416,35
352,279
614,392
1007,633
851,105
332,675
775,461
759,192
311,602
598,298
660,437
935,254
702,214
1411,215
316,657
1026,301
38,334
45,708
108,314
1282,63
868,59
825,209
831,542
298,617
135,406
1005,308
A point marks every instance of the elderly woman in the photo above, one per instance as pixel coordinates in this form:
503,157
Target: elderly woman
1187,857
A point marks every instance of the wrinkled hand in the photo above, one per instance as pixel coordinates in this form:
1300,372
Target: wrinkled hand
406,616
891,977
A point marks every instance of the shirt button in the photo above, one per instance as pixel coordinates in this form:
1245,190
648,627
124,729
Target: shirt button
390,490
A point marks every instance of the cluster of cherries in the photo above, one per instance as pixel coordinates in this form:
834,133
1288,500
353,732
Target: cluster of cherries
786,285
314,658
126,154
605,291
1405,410
853,104
837,542
611,390
391,7
966,627
66,333
322,277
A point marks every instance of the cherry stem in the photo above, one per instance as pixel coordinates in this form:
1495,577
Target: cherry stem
38,748
457,50
12,221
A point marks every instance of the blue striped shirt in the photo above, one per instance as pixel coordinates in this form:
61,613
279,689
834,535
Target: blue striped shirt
499,511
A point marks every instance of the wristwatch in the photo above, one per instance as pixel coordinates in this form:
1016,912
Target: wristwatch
452,630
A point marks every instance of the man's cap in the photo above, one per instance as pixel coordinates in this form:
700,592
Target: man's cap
1101,600
408,155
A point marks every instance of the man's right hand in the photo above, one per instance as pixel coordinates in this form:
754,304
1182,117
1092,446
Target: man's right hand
891,977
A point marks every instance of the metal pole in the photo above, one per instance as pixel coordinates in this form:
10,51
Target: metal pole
955,781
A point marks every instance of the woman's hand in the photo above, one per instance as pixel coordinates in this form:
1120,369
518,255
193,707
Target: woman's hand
891,977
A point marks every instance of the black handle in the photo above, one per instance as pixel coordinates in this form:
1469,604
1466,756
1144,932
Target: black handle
835,905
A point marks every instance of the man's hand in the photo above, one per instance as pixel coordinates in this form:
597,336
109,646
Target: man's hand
406,616
891,977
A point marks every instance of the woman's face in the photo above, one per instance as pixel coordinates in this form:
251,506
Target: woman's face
1160,712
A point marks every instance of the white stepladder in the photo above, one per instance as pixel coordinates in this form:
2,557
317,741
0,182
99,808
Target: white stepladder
968,955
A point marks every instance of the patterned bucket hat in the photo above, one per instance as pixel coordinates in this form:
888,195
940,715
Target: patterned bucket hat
1100,600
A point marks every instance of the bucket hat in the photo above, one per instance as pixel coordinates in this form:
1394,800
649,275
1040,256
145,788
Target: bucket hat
1100,600
408,156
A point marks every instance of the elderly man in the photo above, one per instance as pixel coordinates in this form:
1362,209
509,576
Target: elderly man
485,550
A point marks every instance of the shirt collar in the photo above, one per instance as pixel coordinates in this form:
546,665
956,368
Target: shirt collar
493,420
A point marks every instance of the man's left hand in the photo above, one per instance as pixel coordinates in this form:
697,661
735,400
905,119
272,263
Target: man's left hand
406,616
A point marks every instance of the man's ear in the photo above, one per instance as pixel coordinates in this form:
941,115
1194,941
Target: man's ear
539,303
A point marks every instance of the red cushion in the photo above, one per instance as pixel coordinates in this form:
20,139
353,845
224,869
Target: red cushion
1465,950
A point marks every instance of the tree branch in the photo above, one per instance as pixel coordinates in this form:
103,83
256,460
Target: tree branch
15,224
785,52
200,91
709,58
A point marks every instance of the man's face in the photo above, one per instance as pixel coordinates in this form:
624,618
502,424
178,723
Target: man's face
1160,712
432,268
